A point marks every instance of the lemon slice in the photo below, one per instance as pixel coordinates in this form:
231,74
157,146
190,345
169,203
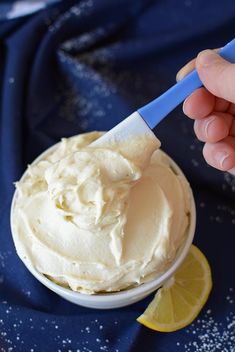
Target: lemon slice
178,303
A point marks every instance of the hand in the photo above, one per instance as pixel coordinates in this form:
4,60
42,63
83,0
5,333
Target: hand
213,108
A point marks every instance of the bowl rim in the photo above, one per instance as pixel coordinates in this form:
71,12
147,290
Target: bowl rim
129,292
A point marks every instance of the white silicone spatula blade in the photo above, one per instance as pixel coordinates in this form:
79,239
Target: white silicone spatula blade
133,125
133,130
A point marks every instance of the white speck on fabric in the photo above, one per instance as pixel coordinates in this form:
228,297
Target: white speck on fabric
11,80
211,335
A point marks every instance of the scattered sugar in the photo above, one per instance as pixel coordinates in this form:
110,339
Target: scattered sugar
229,181
229,299
26,292
217,219
209,334
84,8
226,211
3,258
195,162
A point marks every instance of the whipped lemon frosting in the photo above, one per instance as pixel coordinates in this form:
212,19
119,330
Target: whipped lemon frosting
96,219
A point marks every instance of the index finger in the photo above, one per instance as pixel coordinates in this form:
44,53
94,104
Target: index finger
185,70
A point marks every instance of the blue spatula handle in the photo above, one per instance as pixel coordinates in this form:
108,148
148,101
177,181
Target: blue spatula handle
157,109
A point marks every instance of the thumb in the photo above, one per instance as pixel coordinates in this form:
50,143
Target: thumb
216,74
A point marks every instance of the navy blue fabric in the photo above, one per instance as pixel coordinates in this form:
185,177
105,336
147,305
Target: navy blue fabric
13,9
83,65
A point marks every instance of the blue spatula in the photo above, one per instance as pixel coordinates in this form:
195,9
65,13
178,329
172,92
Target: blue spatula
146,118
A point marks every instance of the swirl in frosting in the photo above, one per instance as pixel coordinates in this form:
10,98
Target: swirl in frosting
96,220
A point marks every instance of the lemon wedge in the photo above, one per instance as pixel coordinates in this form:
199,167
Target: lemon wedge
180,300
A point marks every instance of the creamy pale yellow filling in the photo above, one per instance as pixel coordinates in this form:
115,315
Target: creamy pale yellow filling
96,219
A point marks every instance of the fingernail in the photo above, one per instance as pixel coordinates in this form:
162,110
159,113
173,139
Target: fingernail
206,57
207,127
179,75
221,158
184,106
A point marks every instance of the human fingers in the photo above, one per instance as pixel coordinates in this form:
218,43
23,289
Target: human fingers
199,104
214,127
221,155
222,105
186,69
231,109
216,74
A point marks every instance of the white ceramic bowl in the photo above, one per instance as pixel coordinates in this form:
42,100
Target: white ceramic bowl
128,296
